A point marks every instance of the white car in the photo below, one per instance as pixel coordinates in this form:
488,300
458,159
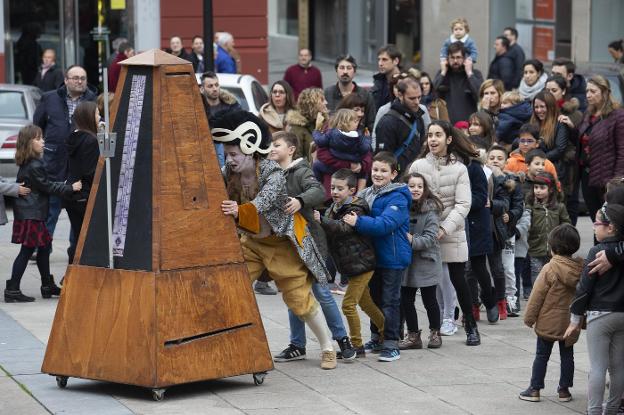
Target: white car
17,107
248,91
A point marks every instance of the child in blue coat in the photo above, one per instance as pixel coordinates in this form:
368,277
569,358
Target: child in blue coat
388,226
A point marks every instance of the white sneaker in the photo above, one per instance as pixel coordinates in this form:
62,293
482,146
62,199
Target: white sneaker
448,327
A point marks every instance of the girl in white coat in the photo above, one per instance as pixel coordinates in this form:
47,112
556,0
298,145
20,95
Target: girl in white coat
442,164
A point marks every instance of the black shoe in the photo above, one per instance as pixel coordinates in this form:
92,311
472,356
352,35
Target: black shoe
49,288
531,395
263,288
347,352
290,354
492,314
12,294
473,338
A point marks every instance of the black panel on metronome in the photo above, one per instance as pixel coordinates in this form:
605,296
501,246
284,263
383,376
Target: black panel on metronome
131,183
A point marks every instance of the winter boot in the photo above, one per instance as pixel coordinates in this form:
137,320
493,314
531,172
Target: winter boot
48,287
472,332
435,340
12,294
412,341
502,309
476,312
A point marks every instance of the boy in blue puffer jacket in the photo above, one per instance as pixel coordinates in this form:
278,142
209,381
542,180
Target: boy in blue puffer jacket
388,226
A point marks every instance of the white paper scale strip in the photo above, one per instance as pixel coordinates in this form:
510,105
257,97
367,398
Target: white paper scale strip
131,140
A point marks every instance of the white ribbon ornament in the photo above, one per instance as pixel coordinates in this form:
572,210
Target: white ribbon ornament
248,133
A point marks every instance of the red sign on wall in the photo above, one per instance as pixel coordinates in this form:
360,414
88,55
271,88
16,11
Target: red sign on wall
544,43
544,10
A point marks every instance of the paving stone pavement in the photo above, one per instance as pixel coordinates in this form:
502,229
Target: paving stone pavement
454,379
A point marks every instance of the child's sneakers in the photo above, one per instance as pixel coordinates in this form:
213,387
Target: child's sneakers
448,327
347,351
531,395
512,307
291,353
372,346
564,394
328,359
389,355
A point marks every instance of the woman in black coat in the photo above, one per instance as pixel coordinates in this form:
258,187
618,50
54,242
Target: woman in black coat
83,151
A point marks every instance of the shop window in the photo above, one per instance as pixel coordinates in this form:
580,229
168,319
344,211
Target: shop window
288,17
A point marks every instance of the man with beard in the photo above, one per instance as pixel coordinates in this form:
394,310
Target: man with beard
458,84
388,61
346,66
303,75
272,237
402,130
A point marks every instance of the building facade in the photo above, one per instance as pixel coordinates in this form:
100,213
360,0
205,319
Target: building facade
579,29
82,31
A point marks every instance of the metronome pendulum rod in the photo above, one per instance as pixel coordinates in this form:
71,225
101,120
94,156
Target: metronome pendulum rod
107,149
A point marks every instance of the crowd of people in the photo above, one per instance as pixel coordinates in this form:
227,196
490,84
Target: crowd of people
463,188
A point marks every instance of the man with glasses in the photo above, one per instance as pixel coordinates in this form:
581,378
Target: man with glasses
54,116
346,66
303,74
401,130
458,84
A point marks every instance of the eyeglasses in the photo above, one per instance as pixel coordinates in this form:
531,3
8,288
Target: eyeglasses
278,92
527,141
78,78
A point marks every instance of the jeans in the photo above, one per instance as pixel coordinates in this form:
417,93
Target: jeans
220,153
542,354
605,346
330,310
537,263
358,294
385,289
54,210
508,257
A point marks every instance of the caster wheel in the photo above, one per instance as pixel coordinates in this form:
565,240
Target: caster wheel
259,378
61,381
158,394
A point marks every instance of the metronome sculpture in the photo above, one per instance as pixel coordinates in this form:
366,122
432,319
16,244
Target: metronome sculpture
178,305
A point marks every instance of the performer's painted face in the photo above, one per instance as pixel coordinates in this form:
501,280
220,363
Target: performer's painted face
238,161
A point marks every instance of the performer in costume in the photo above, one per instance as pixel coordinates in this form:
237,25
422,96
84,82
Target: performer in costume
271,238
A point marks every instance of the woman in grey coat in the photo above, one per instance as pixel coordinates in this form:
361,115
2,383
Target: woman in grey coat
425,271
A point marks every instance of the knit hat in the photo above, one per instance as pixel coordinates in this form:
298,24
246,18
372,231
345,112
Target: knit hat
241,128
462,125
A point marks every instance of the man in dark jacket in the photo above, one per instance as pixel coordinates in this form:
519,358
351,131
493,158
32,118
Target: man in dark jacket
402,130
502,67
388,61
576,83
345,71
458,84
516,53
54,116
197,55
49,77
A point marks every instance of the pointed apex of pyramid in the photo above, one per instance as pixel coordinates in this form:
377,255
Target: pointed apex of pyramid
154,57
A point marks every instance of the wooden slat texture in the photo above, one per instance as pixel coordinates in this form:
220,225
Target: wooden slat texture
104,327
192,233
202,301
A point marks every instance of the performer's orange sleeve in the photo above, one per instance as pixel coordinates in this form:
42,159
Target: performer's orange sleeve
248,218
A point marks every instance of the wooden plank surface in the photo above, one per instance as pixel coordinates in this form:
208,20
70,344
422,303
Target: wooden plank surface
104,327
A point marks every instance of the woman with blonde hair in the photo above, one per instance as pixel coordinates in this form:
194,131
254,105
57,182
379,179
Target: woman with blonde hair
309,115
601,135
490,97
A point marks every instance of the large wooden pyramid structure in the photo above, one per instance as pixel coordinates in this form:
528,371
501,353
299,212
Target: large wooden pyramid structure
178,306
